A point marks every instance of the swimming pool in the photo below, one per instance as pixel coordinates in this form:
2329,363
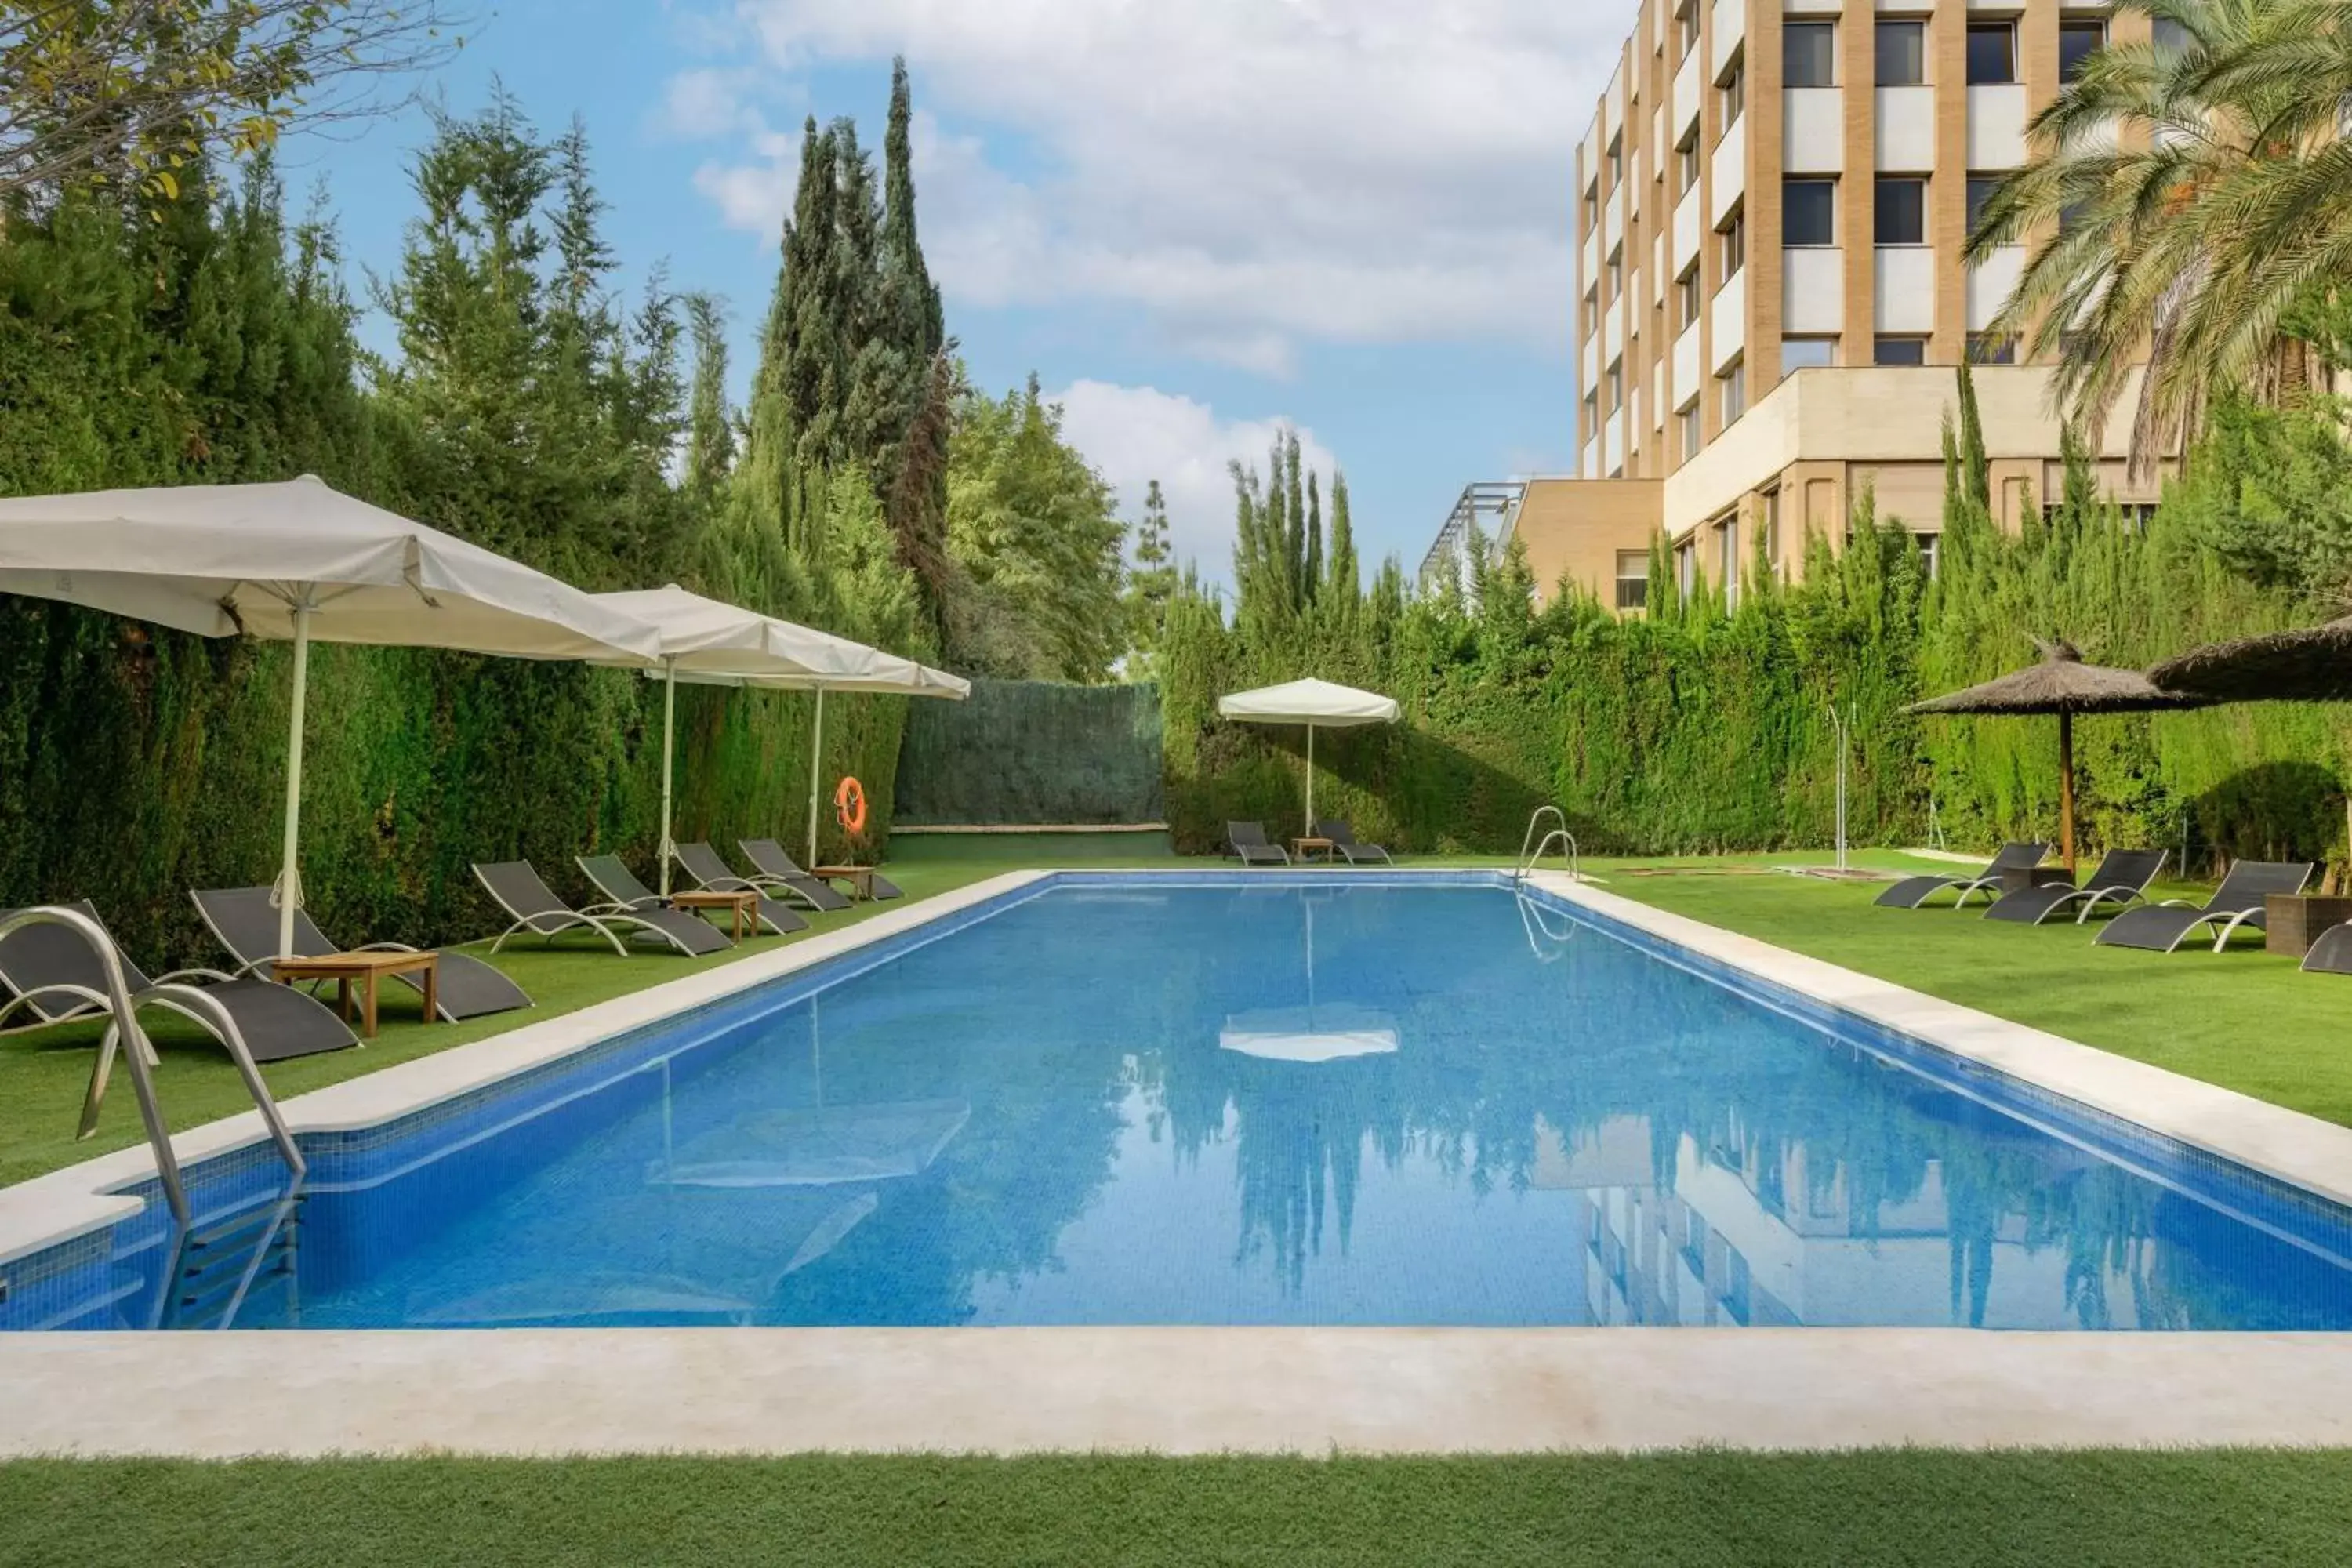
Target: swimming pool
1230,1098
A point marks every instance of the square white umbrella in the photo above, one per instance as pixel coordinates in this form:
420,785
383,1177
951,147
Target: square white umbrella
1317,704
708,642
300,562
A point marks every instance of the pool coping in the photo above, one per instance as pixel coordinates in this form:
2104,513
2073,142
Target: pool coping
1180,1390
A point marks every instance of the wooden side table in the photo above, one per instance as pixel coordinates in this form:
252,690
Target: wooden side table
2019,880
1302,849
2292,921
745,902
368,970
859,877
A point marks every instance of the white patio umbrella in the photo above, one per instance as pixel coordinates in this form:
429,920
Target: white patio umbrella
1317,704
708,643
300,562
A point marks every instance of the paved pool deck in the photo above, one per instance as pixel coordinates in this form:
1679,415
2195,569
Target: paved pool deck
1179,1390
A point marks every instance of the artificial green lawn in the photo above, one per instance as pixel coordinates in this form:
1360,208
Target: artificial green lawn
1892,1508
2243,1019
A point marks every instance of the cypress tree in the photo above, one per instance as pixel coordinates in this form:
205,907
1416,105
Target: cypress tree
1341,585
919,325
710,429
1311,576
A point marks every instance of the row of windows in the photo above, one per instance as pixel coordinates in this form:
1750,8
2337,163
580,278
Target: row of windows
1899,50
1898,208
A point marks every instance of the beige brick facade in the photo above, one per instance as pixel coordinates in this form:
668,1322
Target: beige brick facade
1756,366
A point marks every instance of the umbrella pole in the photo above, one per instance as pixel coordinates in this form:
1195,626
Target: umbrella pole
1310,780
816,775
2066,789
289,879
669,751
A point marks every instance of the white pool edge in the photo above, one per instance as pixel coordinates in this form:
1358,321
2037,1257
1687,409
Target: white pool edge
1187,1390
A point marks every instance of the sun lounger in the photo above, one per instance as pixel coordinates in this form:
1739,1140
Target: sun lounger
1912,892
769,858
612,877
1248,840
702,863
245,922
1344,843
524,894
2238,902
2331,953
52,974
2122,878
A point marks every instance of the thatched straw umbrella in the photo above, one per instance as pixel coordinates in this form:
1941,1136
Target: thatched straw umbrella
2313,665
2063,685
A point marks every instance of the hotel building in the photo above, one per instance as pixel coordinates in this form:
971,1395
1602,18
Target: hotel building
1770,204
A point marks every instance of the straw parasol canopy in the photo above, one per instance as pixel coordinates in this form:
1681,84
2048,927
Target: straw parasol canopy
2062,684
2313,664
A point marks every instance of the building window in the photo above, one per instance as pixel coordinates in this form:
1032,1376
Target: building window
1735,97
1688,300
1733,383
1808,212
1992,53
2170,38
1807,353
1931,551
1992,348
1616,385
1612,272
1768,519
1726,539
1686,28
1616,161
2078,40
1980,190
1898,351
1591,219
1593,414
1902,54
1692,440
1901,211
1685,568
1734,246
1808,54
1632,579
1686,166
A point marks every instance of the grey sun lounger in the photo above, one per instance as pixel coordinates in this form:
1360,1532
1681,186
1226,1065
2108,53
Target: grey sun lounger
51,974
524,894
1344,843
247,924
2122,878
1914,891
612,877
2331,953
1247,840
702,863
2238,902
769,858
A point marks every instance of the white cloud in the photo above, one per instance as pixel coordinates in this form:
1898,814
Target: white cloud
1135,435
1253,176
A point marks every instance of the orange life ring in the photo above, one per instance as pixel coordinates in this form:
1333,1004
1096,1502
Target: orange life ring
849,804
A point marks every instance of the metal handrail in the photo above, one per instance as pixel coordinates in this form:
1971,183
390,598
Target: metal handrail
125,1029
1560,835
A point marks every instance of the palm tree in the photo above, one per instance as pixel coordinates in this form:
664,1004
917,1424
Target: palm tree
2185,197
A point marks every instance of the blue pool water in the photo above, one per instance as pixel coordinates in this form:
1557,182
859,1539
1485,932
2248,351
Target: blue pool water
1241,1101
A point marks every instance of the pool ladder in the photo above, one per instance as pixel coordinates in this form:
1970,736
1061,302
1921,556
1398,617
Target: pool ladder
1533,849
123,1032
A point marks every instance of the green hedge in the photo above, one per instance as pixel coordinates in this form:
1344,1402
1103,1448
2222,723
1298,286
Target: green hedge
1023,753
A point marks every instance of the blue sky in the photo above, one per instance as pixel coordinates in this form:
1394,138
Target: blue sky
1196,222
